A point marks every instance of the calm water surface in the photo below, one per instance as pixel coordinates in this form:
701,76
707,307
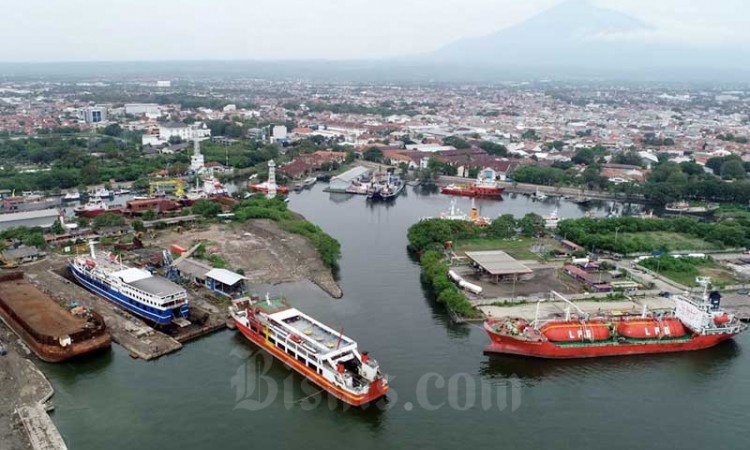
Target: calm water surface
205,396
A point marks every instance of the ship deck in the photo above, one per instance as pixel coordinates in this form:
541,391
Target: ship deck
323,338
36,309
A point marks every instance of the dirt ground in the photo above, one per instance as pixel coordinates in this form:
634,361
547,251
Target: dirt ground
267,254
15,389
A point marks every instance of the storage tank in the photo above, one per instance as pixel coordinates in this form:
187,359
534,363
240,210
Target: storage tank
575,331
648,328
470,287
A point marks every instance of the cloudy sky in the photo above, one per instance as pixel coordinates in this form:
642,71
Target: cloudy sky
94,30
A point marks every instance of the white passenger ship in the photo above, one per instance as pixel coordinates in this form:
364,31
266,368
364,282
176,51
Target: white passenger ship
324,356
149,296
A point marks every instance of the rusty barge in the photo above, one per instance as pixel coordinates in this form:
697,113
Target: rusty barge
51,332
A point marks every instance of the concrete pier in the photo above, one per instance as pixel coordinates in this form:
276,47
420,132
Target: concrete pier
24,401
138,338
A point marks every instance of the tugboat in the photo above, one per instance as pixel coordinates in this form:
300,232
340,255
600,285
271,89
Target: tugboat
694,324
326,357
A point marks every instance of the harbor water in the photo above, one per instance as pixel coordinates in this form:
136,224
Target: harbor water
220,392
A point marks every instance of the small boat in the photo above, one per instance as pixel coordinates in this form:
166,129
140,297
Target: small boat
580,200
686,208
72,197
102,193
122,191
538,195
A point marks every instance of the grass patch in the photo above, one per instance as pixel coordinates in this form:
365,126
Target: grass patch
517,248
685,270
667,240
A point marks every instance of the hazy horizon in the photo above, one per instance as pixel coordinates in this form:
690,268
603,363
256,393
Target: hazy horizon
338,30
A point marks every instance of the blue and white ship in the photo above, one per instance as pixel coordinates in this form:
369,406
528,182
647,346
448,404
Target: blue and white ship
138,291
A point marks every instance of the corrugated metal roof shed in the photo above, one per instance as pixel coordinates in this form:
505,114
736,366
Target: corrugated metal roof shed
497,263
225,276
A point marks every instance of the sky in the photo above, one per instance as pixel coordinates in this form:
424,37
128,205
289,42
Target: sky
148,30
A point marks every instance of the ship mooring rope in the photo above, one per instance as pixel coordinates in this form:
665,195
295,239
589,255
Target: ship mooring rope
309,396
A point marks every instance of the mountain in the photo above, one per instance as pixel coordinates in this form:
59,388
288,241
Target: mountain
576,35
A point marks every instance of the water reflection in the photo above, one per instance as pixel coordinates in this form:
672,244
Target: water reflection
82,367
701,364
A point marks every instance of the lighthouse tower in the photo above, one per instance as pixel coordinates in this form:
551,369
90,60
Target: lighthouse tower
271,179
197,163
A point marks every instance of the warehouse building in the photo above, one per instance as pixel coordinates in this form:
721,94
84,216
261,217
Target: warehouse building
43,218
340,183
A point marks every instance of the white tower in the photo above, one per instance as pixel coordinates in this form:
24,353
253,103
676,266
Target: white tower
271,179
197,163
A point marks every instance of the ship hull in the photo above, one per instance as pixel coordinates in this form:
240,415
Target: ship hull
474,192
546,349
91,213
377,390
130,305
279,189
37,320
53,353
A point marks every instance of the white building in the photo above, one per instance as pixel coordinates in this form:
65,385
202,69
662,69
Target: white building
431,148
139,109
163,83
94,114
278,133
184,131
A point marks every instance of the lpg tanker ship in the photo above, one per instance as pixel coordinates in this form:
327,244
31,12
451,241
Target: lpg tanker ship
694,324
324,356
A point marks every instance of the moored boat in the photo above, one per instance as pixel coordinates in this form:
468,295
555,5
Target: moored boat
694,324
686,208
52,332
94,208
484,186
72,196
148,296
326,357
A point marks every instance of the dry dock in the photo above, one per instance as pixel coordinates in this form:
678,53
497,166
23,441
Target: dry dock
141,340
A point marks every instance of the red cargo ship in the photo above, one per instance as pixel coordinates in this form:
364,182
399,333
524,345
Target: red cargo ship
693,325
94,208
324,356
484,186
